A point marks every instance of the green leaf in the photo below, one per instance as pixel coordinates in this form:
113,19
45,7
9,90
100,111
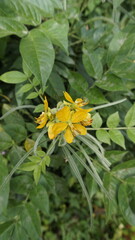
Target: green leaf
5,226
14,117
30,166
38,54
9,26
39,108
37,173
116,3
46,7
126,198
103,136
41,153
26,70
95,96
92,4
124,166
47,161
35,82
21,184
23,11
117,137
125,169
15,154
111,82
91,185
13,77
34,158
123,64
57,4
31,221
25,88
92,64
31,127
115,45
113,120
131,134
4,193
130,117
57,32
55,86
40,199
111,185
78,83
115,155
77,174
32,95
16,131
5,141
97,121
19,233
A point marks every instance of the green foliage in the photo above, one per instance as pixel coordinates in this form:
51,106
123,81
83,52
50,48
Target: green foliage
9,26
126,203
13,77
4,193
113,120
5,141
97,121
130,117
86,48
92,64
103,136
38,164
57,32
117,137
38,54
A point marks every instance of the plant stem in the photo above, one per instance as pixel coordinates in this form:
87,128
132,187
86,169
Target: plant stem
14,109
111,173
98,18
123,10
110,104
65,5
38,140
119,128
76,42
36,90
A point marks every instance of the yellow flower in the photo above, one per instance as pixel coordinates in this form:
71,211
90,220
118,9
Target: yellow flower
43,118
87,121
69,123
78,103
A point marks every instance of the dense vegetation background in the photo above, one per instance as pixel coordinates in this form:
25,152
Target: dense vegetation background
85,47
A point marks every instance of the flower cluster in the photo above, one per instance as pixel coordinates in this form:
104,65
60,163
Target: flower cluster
69,118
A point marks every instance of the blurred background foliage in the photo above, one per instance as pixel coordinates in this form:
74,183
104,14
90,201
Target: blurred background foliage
86,47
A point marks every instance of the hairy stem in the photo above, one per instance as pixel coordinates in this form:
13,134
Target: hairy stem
119,128
16,108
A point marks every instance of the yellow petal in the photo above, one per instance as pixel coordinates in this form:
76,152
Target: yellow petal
42,119
68,97
87,110
41,125
64,114
80,129
68,135
87,121
58,128
80,102
45,104
50,131
79,116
